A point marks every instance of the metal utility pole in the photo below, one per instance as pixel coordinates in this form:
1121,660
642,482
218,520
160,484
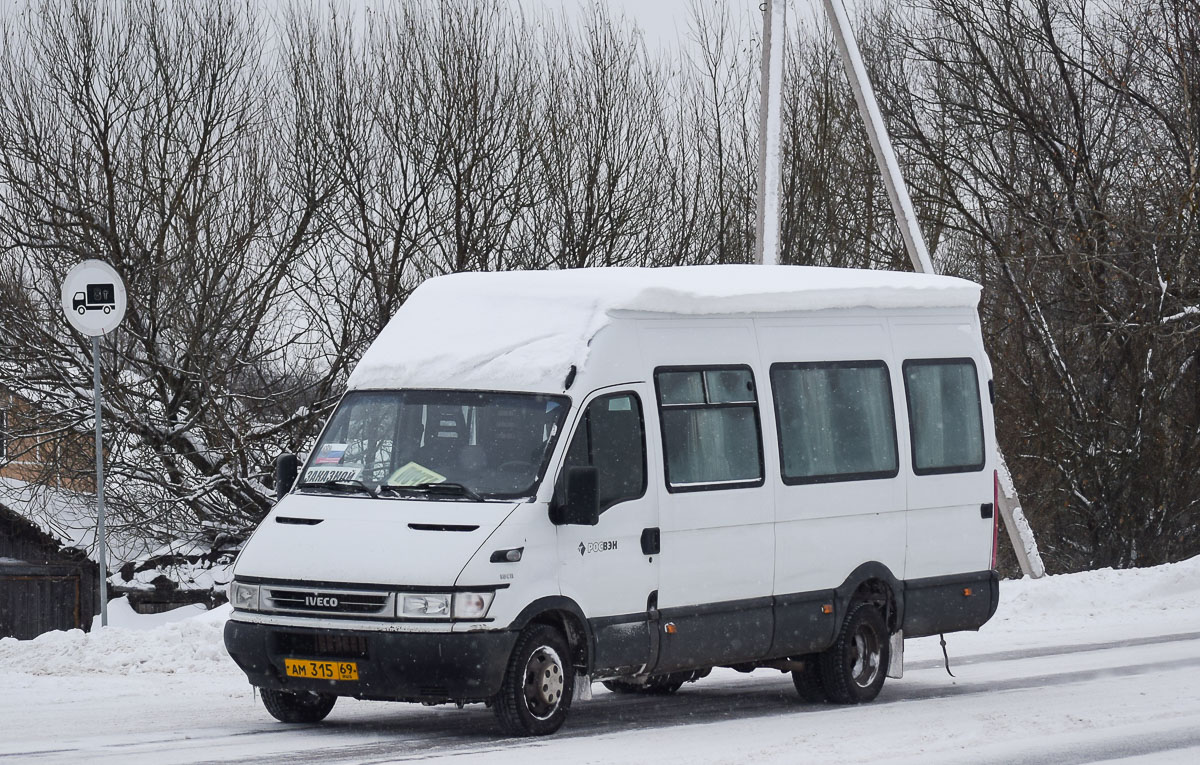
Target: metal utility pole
881,143
101,548
770,117
1010,511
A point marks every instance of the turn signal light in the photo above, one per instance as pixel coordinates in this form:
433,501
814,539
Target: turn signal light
670,628
967,592
827,609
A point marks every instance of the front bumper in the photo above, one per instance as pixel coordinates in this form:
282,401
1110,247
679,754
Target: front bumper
393,666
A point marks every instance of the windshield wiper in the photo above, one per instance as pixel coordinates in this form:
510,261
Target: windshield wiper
338,484
445,487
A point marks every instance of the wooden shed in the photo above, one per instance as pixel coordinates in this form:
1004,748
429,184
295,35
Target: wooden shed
43,585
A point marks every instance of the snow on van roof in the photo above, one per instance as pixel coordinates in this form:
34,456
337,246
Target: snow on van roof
522,330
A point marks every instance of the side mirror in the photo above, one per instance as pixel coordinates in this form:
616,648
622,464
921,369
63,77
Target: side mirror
286,468
581,505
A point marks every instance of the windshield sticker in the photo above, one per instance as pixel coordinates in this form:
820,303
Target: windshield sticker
413,474
330,454
340,473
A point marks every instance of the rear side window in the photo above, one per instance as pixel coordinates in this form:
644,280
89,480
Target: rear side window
611,438
836,421
710,427
944,415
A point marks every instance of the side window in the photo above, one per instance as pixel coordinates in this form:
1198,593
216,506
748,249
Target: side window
611,438
944,415
711,433
836,421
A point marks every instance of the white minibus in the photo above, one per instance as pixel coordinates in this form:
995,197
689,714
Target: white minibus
540,480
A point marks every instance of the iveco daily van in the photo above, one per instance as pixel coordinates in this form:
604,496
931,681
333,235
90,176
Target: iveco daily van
538,480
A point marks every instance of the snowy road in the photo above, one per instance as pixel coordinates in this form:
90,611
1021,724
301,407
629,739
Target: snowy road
1055,679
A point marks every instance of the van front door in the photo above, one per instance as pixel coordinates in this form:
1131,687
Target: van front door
611,569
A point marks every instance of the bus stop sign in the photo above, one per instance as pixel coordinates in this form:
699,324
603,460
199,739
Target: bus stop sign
93,298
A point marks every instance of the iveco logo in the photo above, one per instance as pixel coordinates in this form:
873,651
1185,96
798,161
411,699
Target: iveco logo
320,601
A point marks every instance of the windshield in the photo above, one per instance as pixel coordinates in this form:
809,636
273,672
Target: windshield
438,444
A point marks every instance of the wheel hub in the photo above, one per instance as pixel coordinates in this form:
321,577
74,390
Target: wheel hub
544,682
866,655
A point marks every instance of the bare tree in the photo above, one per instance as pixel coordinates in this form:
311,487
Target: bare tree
1064,149
143,134
600,115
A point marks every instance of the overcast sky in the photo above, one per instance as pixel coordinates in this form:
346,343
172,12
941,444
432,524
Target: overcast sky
666,21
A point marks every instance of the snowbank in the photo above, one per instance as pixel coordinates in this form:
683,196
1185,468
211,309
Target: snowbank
1106,604
175,642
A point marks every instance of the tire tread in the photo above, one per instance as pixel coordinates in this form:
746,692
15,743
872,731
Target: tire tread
835,678
507,704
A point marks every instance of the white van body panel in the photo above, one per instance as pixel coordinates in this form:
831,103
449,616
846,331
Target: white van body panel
368,541
603,568
825,530
534,577
946,533
709,532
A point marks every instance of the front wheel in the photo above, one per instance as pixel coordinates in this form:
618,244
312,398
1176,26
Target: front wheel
536,693
298,707
854,667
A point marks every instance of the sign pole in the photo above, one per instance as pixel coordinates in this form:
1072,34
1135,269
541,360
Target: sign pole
101,552
93,301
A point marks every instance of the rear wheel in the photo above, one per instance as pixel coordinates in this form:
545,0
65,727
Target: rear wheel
854,667
298,707
536,693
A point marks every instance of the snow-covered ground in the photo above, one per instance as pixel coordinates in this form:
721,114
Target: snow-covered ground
1093,667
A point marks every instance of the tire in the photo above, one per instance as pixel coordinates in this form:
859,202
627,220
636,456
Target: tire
853,669
538,684
298,707
808,681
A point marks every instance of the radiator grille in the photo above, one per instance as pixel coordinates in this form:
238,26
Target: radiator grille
329,602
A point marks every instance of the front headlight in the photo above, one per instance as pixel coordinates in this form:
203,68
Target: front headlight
425,605
444,605
243,597
472,605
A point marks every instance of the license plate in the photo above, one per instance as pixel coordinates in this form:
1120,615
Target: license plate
321,670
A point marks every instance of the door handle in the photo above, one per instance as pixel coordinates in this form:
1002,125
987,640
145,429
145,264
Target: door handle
651,541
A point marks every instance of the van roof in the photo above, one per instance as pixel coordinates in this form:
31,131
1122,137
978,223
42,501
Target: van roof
523,330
